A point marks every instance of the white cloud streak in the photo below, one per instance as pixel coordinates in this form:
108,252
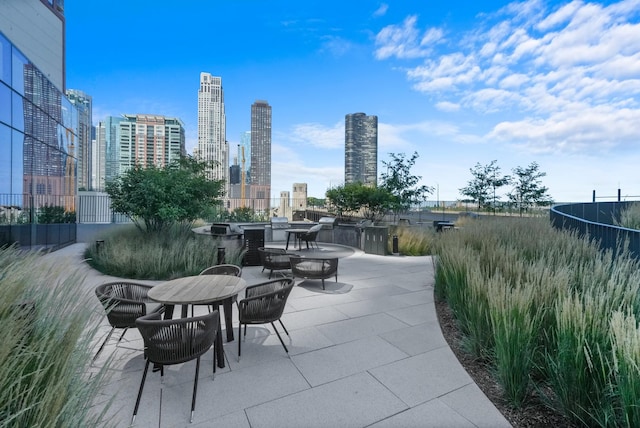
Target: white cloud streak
564,80
382,10
405,41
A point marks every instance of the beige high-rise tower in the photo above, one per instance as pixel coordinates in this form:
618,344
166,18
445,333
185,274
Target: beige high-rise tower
212,143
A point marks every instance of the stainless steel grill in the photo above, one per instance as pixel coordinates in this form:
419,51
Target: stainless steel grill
279,223
327,222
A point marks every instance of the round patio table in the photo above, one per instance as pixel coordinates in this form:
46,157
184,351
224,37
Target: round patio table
200,290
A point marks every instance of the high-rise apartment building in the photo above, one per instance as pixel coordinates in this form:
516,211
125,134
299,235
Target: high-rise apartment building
212,144
83,103
38,124
141,139
245,144
361,149
261,153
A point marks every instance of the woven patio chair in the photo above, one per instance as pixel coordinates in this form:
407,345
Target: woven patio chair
223,269
311,236
314,268
227,304
124,302
168,342
264,303
274,259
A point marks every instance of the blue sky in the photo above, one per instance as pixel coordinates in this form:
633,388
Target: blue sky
463,82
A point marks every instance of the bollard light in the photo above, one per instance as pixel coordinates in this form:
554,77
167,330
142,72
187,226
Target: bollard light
395,244
221,255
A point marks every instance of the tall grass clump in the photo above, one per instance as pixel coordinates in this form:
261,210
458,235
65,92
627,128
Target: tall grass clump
412,241
46,327
515,326
629,216
626,352
540,305
175,252
577,365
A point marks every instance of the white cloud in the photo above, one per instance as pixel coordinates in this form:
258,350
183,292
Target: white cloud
447,106
317,135
382,10
566,79
336,46
405,41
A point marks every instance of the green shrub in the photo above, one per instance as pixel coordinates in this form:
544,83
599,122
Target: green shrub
161,255
46,327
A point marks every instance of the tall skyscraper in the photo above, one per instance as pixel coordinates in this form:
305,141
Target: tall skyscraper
83,103
261,153
361,149
212,144
245,142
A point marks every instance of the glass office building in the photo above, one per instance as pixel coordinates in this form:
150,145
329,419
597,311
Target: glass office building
38,143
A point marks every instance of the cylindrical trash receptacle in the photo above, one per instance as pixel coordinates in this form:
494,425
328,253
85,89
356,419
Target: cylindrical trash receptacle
395,245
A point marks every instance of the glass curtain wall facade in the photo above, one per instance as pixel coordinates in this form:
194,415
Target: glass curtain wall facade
38,142
83,103
361,149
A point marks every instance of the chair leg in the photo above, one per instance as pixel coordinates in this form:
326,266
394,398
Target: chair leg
280,337
103,343
195,389
240,338
214,357
284,328
122,335
144,377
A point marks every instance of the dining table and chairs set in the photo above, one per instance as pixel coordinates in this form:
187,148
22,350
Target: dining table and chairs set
168,340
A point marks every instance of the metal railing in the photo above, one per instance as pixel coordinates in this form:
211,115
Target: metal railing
596,221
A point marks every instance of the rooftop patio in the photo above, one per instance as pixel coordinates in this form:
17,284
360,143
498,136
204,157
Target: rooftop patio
365,352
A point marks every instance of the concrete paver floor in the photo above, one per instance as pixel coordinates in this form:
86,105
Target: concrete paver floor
365,352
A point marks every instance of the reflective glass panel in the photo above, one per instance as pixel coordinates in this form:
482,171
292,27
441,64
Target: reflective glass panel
5,60
18,112
5,104
5,162
17,164
18,67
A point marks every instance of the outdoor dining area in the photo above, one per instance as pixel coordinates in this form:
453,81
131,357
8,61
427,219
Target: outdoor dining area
248,347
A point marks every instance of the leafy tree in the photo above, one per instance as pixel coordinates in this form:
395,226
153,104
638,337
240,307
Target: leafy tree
486,180
528,189
241,214
162,196
315,202
371,202
399,181
55,214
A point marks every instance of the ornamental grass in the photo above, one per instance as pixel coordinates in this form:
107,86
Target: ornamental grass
542,307
172,253
412,241
46,331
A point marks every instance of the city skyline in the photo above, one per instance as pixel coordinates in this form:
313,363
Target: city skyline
552,82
